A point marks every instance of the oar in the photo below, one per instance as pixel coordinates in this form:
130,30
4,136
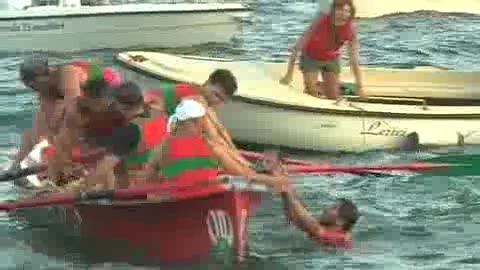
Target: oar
19,173
164,192
457,162
331,168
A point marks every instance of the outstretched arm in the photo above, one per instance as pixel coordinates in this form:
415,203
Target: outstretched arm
354,63
299,214
232,167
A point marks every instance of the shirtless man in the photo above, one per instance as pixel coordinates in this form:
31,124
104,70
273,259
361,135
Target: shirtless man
57,87
36,74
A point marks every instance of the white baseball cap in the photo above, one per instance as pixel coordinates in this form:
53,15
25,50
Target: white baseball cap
185,110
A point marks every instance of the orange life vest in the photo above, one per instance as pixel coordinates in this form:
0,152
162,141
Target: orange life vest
333,237
189,160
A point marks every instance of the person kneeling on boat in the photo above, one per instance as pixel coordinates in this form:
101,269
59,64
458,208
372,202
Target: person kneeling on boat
333,227
220,86
320,50
186,155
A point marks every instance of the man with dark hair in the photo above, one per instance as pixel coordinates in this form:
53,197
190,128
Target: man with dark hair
36,73
215,91
333,227
223,79
57,87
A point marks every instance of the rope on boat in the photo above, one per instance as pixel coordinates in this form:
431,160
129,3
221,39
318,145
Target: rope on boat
49,186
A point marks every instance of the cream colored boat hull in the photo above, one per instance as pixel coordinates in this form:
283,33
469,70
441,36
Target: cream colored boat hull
267,112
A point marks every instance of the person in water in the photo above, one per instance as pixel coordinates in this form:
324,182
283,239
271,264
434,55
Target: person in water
320,47
333,227
186,155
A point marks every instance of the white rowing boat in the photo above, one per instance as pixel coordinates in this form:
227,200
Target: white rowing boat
267,112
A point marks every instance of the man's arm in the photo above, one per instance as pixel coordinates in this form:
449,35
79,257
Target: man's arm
232,167
156,161
104,174
217,133
299,214
354,63
69,83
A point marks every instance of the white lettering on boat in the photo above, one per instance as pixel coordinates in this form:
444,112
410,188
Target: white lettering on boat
32,27
383,128
219,226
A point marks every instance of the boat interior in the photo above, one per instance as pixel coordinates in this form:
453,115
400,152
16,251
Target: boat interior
397,100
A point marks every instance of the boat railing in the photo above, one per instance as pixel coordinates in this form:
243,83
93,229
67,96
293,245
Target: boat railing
77,3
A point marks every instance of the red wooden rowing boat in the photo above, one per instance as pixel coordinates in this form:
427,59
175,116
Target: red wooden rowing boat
183,224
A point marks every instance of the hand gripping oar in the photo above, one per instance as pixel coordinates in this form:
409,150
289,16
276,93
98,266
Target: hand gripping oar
19,173
163,192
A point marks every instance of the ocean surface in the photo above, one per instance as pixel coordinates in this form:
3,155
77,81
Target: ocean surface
408,221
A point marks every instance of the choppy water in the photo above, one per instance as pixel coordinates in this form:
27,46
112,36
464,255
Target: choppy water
408,221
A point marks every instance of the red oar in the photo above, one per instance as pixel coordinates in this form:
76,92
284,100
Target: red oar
332,168
166,191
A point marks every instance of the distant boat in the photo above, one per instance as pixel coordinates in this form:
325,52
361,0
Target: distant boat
74,25
371,8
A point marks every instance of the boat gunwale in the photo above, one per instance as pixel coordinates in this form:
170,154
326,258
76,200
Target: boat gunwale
231,184
300,108
95,13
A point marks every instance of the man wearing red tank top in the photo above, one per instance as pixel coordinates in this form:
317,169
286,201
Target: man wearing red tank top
320,50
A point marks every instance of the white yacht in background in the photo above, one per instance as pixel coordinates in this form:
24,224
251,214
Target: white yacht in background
76,25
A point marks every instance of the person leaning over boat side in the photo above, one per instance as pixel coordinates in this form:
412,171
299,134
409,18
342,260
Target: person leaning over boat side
186,155
149,123
35,74
55,85
220,86
78,145
320,48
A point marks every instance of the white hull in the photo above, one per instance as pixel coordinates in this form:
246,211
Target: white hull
370,8
266,112
147,26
